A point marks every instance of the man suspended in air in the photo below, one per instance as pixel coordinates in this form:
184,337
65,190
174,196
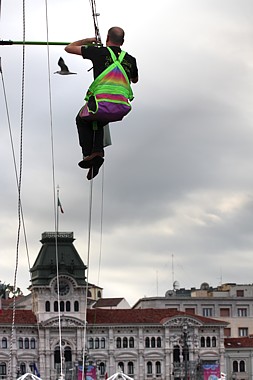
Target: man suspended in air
108,98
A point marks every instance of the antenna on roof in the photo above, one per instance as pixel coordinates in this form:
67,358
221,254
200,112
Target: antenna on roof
172,267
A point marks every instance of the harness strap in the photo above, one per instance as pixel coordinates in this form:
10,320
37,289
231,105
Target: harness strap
116,62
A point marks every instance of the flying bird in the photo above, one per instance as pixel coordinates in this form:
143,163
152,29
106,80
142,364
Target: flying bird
64,68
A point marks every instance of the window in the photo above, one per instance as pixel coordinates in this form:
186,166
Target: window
33,344
2,370
158,368
67,306
131,342
26,343
99,294
242,366
202,342
213,341
208,342
47,306
125,342
240,293
62,306
4,342
152,342
235,366
103,343
227,332
207,312
121,366
118,343
76,306
159,342
149,368
55,306
22,368
242,312
130,368
96,343
243,331
91,346
224,312
147,342
20,343
102,368
190,310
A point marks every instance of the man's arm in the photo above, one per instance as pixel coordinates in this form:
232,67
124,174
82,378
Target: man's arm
75,47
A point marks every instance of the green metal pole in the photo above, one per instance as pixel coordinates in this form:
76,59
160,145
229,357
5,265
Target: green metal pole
32,43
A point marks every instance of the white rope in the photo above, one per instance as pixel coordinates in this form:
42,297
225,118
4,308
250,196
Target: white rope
54,194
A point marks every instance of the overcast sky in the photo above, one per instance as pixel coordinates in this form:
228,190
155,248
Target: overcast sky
178,183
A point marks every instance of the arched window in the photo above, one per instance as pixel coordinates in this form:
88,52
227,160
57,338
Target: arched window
121,366
99,294
152,342
131,342
242,366
149,368
47,306
22,368
26,343
176,354
118,343
20,343
147,342
159,342
202,342
33,344
2,370
208,342
67,306
102,368
213,341
57,356
55,306
235,366
125,342
62,306
67,354
102,342
91,345
158,368
130,368
96,343
76,306
4,342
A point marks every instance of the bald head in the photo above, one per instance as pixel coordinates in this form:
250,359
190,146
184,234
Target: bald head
115,36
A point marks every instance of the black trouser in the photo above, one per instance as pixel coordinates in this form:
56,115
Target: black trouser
90,140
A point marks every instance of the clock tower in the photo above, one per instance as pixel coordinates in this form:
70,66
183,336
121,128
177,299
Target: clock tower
58,278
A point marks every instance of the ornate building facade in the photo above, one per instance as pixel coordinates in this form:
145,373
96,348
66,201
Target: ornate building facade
55,331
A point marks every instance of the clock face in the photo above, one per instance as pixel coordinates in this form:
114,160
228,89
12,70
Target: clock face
64,287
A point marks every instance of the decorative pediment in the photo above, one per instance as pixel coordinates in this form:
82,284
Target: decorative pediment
65,322
180,321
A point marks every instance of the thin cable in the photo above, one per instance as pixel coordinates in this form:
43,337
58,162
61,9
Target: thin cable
14,162
87,277
54,195
101,225
19,195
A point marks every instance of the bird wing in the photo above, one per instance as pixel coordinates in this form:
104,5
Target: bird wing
62,65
